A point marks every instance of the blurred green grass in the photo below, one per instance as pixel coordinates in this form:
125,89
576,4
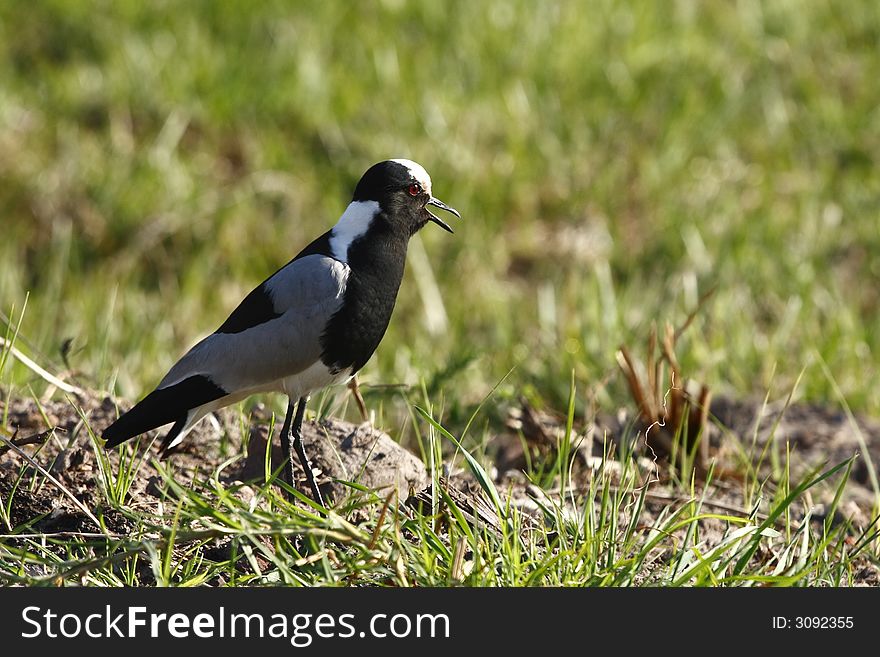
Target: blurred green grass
612,161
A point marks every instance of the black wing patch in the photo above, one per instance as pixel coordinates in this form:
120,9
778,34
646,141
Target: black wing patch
257,308
161,407
319,246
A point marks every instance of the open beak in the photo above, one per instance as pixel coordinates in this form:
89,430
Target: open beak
437,203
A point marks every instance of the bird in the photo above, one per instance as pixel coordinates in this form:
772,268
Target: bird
314,323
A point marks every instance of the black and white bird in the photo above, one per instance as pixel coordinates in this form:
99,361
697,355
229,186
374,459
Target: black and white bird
315,322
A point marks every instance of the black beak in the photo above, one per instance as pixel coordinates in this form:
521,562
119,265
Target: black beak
437,203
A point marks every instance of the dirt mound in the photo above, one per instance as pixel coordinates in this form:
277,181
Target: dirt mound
70,454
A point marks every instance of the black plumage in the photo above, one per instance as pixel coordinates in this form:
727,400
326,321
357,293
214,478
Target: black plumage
162,406
257,308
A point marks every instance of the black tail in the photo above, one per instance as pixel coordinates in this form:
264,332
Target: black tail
163,406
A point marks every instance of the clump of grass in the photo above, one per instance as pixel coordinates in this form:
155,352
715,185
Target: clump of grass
116,478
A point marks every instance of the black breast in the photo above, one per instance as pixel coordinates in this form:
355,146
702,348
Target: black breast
377,262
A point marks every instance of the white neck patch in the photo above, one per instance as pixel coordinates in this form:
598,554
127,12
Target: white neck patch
418,172
353,223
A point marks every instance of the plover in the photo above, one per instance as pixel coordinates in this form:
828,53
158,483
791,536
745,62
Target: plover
315,322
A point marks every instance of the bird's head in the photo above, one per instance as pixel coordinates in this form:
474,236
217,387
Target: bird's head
402,188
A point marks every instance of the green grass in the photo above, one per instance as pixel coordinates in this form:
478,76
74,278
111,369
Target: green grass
210,533
612,162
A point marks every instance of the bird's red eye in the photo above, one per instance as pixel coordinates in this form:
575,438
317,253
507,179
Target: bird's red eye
415,189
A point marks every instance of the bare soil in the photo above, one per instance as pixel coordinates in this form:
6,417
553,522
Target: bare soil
343,451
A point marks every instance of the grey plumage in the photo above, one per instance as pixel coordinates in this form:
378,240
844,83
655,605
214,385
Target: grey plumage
280,354
306,293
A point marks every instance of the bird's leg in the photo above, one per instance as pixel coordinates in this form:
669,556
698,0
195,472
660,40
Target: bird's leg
286,448
294,443
356,391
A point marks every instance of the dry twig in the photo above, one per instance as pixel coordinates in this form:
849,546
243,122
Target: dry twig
39,371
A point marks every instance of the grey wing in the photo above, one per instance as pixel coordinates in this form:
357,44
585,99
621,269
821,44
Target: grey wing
274,333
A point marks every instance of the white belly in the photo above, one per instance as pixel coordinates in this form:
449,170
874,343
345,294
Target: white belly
311,380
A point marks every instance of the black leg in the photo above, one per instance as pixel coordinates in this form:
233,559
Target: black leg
291,442
285,448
